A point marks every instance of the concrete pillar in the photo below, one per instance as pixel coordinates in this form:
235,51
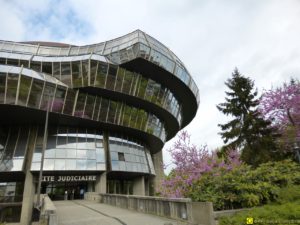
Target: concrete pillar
29,185
139,186
90,187
100,186
28,197
147,184
159,171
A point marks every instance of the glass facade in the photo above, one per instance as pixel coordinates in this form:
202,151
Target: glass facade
38,94
11,197
13,144
129,156
70,149
119,50
90,72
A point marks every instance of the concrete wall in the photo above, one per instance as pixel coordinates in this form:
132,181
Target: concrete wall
48,212
139,186
184,210
101,183
92,196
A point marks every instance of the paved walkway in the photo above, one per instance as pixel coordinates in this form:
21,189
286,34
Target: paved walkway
82,212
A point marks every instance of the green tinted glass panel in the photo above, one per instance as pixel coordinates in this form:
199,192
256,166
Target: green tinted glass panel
24,90
12,83
101,74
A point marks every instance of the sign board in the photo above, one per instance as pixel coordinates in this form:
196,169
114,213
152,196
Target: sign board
69,178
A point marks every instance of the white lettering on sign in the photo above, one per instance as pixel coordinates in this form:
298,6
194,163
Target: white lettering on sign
68,178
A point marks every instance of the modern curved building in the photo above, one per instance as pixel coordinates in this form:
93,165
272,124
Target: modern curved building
112,106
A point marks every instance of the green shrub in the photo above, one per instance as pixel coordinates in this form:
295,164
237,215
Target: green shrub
245,187
286,210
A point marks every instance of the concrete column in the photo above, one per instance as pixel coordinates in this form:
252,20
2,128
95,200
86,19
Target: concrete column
28,197
147,184
159,171
139,186
115,187
90,187
100,186
29,186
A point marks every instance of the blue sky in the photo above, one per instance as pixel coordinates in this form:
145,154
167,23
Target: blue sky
211,37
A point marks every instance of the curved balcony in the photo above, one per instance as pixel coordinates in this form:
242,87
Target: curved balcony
123,51
26,88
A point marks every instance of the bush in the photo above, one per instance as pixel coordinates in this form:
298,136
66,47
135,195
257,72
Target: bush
245,187
286,210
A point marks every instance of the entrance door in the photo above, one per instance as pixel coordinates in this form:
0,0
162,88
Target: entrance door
57,190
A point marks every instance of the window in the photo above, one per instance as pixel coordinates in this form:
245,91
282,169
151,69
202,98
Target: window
121,156
66,73
47,67
24,90
76,74
112,72
101,74
12,83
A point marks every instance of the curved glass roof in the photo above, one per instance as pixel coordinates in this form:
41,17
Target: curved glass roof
119,50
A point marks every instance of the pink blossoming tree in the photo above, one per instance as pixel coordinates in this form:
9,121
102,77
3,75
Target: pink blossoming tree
190,163
281,106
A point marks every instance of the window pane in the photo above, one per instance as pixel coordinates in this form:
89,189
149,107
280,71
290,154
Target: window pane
85,70
69,103
81,154
47,67
101,74
114,156
91,154
76,74
2,86
93,71
47,96
127,82
70,164
24,90
58,102
103,110
100,157
35,94
91,165
89,107
142,87
60,164
66,73
81,164
56,70
49,164
12,83
71,153
112,112
60,153
50,153
36,66
79,110
111,77
119,80
101,166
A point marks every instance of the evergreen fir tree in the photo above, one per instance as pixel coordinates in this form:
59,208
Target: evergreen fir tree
247,131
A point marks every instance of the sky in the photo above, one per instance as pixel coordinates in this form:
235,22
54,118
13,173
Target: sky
211,37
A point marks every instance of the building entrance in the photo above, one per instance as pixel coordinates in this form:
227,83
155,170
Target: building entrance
64,190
